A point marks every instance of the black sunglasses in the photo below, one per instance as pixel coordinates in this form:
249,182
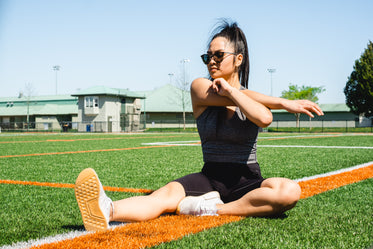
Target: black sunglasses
218,56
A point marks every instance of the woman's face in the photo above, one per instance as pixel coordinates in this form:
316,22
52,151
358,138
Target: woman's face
227,66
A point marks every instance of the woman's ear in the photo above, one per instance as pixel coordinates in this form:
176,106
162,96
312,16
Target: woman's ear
239,59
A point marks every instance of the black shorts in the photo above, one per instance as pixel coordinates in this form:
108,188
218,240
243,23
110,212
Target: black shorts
232,181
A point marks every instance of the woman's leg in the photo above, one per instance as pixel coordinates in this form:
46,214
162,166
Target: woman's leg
140,208
275,196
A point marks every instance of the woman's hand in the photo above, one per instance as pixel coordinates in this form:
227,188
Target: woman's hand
221,87
302,106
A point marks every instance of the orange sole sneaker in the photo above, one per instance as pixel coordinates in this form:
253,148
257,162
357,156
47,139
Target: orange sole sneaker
87,193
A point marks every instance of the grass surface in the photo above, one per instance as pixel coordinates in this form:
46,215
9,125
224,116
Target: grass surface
341,218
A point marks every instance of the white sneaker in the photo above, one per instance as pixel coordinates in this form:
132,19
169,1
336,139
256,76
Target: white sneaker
204,205
93,203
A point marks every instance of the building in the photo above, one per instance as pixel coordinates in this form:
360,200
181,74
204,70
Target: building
38,113
164,107
97,109
335,115
104,109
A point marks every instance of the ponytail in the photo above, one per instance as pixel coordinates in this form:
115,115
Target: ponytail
236,36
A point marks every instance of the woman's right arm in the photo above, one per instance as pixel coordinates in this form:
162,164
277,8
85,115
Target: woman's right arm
203,96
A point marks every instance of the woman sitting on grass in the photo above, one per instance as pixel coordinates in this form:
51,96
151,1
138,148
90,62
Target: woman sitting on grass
228,118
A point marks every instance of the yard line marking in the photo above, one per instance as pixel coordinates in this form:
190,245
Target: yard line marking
86,151
317,146
168,143
135,137
317,136
303,136
86,139
176,143
197,142
69,185
315,186
145,234
45,240
172,227
335,172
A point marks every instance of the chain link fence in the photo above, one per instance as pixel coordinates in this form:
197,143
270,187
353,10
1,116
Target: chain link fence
319,126
175,125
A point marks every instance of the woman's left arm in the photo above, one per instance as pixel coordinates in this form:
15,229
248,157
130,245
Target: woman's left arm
292,106
253,110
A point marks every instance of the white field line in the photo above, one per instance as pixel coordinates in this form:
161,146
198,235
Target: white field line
319,135
334,172
46,240
74,234
196,143
317,146
193,143
176,143
55,238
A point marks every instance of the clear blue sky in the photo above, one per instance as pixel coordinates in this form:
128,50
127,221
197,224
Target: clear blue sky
137,44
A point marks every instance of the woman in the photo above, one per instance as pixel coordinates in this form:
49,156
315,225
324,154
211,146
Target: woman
228,116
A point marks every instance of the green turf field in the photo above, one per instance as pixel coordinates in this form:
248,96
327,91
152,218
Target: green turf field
341,218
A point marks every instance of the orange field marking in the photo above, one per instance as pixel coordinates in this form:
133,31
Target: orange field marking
84,139
172,227
145,234
69,185
319,185
87,151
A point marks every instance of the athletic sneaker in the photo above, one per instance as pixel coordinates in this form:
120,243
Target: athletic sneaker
204,205
93,203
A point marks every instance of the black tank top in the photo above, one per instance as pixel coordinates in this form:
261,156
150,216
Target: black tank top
227,140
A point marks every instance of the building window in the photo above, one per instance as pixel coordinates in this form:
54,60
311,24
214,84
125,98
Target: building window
91,105
91,101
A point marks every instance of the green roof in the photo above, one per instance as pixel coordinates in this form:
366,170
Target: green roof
48,109
166,99
103,90
37,98
39,105
334,107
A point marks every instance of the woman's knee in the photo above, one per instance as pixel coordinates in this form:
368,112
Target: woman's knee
288,195
171,194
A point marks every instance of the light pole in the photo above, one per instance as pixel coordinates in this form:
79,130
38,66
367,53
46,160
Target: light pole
171,75
56,68
184,61
271,71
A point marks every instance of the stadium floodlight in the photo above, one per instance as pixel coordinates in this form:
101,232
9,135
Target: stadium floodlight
171,75
56,68
184,61
271,71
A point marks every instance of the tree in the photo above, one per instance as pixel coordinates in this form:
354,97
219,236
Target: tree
183,84
29,89
359,87
304,92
